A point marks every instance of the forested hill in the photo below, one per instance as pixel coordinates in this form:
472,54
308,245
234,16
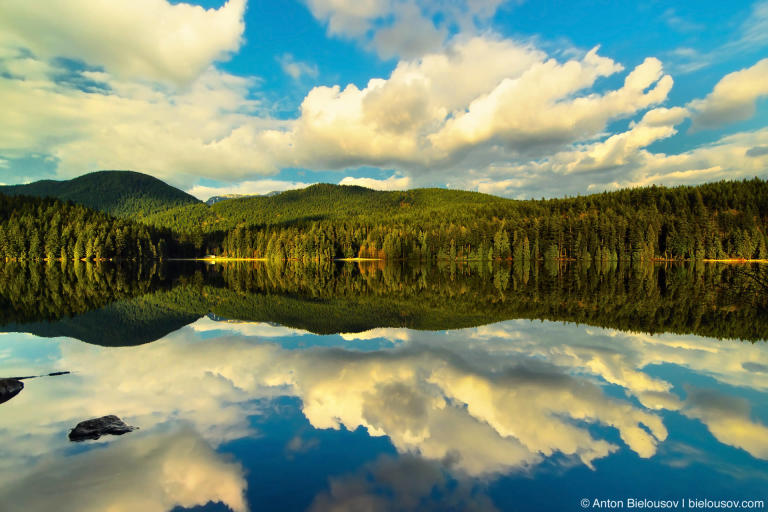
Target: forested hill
716,221
720,220
120,193
338,203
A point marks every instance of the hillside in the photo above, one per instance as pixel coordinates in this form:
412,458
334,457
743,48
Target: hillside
723,220
119,193
720,220
326,202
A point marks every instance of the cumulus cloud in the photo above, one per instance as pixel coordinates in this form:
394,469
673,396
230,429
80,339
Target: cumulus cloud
176,135
251,329
538,107
387,333
733,98
432,112
620,161
461,105
130,38
475,111
620,149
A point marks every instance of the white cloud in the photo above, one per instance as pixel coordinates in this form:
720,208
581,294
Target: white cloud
728,419
392,183
296,69
251,329
733,98
726,158
348,17
151,39
411,34
447,109
151,473
473,111
623,161
208,129
403,28
538,108
257,187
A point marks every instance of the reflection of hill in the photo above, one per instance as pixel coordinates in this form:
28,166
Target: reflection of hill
652,299
100,304
113,307
128,322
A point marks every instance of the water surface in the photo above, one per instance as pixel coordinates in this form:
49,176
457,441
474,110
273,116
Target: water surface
381,387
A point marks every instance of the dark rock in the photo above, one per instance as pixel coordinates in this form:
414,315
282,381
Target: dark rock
97,427
9,388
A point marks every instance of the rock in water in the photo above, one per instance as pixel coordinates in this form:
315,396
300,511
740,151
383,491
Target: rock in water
9,388
97,427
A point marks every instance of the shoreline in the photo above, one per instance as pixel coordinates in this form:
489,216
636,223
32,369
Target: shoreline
655,260
350,260
224,259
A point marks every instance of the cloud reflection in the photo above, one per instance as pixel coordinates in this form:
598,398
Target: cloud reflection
481,401
151,473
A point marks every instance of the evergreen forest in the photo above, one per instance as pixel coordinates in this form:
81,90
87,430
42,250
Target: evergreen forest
723,220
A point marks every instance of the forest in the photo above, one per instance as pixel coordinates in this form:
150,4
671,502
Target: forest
43,228
723,220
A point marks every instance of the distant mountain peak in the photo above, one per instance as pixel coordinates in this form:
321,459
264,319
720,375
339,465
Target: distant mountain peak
224,197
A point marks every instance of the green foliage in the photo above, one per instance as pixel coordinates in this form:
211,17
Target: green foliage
717,220
33,229
323,222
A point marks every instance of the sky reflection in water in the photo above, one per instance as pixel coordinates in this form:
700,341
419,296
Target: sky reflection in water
255,416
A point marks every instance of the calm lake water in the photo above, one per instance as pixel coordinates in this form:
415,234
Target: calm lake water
374,387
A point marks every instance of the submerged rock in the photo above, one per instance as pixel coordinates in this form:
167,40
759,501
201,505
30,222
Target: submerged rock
97,427
9,388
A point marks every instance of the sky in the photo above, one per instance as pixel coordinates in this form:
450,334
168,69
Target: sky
518,98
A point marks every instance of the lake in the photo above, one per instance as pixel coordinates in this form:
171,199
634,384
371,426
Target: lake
379,386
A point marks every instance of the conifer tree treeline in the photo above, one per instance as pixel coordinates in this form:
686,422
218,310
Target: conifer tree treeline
714,221
34,228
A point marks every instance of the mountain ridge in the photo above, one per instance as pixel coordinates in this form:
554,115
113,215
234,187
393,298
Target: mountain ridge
119,193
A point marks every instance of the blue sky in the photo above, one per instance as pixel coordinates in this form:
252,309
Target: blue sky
517,98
